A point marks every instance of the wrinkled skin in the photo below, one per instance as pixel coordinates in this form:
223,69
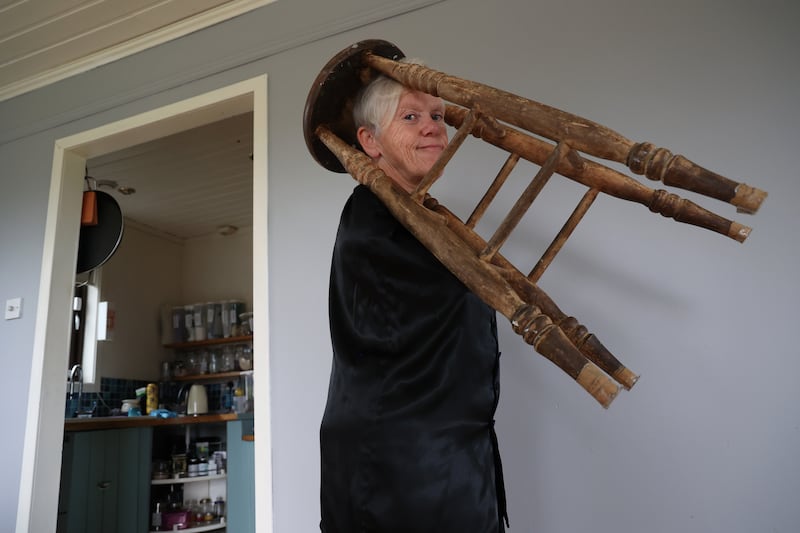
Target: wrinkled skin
410,141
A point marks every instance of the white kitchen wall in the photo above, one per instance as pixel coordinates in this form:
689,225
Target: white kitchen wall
218,267
143,275
150,273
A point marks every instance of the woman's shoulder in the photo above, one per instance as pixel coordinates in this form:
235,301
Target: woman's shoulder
363,196
365,210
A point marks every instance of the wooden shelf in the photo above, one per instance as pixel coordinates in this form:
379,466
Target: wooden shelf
212,377
209,342
210,527
182,480
117,422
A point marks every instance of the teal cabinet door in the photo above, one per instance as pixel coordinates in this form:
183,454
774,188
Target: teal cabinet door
105,481
133,487
241,507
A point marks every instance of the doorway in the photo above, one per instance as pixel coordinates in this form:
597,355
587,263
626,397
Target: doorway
38,501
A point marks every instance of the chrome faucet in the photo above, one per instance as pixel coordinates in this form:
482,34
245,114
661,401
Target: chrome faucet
75,376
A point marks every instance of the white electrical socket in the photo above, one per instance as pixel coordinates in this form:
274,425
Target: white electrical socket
13,308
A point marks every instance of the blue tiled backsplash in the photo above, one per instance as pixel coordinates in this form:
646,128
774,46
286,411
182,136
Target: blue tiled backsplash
113,391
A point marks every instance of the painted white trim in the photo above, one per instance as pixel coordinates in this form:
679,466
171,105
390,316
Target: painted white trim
44,426
108,55
37,507
261,378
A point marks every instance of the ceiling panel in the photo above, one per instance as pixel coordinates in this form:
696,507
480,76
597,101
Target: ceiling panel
42,41
188,185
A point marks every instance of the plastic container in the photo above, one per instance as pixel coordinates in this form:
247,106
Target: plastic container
188,322
128,404
179,333
199,322
213,319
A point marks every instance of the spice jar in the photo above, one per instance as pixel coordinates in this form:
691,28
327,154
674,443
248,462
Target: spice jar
179,465
207,509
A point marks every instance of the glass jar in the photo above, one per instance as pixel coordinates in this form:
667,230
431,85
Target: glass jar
179,465
179,369
161,469
192,362
202,362
227,363
244,354
214,361
246,323
196,512
207,509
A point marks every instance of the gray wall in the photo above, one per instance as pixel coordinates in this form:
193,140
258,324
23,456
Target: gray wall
708,439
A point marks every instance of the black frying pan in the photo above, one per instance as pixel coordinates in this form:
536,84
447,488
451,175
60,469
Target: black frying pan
99,242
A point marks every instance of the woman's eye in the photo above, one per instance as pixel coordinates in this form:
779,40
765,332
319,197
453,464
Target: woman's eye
437,116
409,116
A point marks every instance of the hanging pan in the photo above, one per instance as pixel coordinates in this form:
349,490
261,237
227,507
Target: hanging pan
99,241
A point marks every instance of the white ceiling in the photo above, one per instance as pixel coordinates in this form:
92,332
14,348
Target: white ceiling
43,41
188,184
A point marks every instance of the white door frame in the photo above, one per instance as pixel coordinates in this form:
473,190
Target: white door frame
41,462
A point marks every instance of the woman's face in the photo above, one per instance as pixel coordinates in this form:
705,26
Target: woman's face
410,141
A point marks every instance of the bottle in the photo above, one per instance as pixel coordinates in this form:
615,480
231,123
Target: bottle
219,508
152,398
156,518
194,466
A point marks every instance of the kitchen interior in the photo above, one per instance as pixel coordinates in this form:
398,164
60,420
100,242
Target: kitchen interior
159,405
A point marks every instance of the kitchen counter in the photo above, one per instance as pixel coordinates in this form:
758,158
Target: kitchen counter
116,422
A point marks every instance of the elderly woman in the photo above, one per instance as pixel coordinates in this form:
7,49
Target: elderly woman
407,438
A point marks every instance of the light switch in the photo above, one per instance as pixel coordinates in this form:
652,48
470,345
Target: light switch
13,308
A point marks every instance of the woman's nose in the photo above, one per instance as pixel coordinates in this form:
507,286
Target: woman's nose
431,126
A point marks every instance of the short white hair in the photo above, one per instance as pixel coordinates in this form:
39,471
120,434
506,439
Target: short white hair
377,102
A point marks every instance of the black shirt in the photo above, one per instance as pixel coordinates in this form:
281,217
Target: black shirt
407,438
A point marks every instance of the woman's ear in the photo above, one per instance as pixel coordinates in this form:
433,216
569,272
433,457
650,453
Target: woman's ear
366,139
